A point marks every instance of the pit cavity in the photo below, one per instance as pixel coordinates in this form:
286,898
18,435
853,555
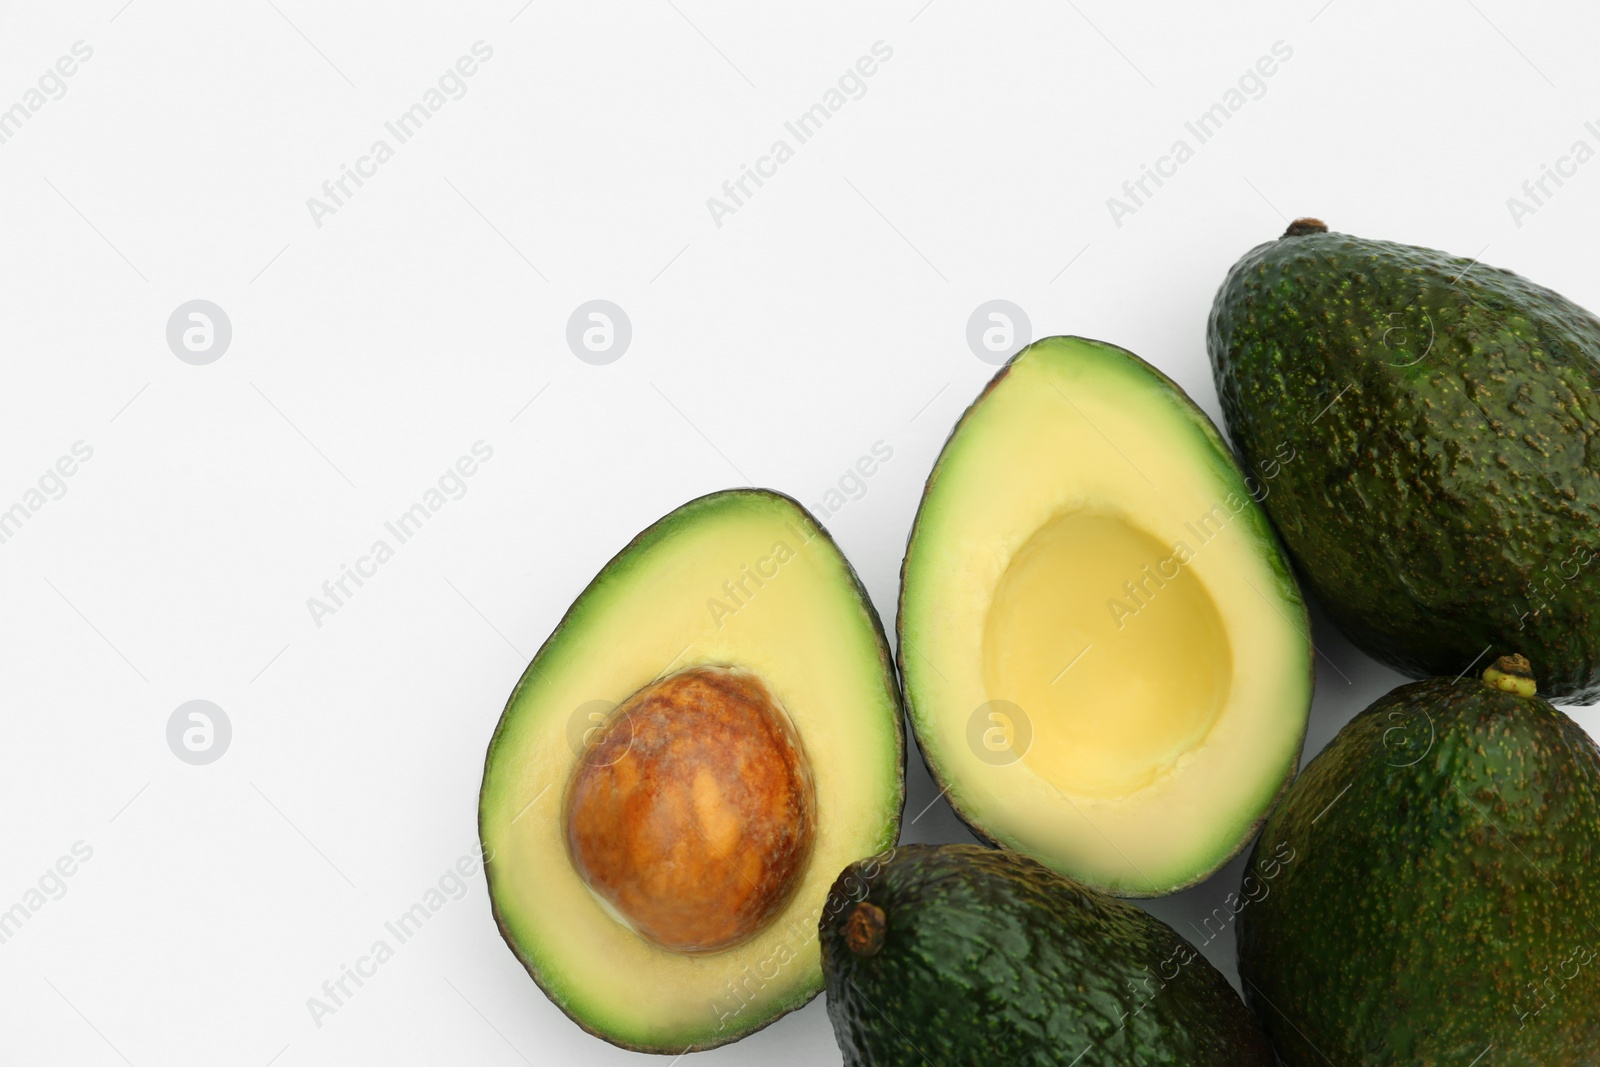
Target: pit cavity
1111,647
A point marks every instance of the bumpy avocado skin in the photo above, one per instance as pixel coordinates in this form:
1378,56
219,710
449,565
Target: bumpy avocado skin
991,958
1441,423
1441,896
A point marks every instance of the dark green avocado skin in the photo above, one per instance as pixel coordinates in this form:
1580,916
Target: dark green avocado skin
992,958
1425,433
1443,891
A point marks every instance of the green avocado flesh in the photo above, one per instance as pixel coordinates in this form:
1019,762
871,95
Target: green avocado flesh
1106,658
1427,434
712,731
958,955
1437,900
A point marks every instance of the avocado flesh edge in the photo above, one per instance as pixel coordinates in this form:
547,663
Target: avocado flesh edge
1200,459
858,826
1442,495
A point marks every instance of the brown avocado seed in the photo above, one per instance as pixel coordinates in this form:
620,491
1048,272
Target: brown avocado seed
695,821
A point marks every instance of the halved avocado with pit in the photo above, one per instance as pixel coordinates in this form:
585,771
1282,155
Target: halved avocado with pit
1106,659
711,733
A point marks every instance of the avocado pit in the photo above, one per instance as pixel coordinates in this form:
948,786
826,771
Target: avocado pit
694,823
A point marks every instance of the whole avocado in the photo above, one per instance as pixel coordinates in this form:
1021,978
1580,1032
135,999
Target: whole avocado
1442,897
1424,431
960,955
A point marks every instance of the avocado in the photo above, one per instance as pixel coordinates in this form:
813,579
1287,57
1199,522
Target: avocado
1106,659
712,730
960,955
1426,433
1437,896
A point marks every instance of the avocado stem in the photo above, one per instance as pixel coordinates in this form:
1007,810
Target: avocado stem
1511,674
864,928
1301,227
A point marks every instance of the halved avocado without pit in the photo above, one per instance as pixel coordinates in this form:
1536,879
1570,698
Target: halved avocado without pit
1106,659
711,733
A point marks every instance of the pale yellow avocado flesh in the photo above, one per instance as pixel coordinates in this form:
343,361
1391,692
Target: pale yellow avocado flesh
1106,659
741,579
1107,723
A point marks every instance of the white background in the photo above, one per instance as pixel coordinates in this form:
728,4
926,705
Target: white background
828,313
